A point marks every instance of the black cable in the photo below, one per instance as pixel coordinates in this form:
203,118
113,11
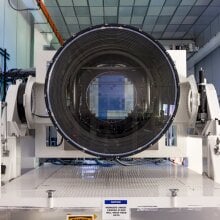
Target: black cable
122,163
138,162
205,174
81,162
59,144
41,116
104,163
22,9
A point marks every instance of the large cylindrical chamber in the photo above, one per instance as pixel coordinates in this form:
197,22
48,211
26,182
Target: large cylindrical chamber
112,91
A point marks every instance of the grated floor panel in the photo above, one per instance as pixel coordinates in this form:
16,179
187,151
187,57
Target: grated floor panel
94,181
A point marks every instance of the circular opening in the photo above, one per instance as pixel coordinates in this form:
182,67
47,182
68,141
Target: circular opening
112,91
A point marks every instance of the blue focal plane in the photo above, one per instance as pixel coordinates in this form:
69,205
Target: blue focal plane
111,96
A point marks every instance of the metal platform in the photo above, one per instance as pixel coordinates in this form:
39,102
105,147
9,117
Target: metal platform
95,183
145,187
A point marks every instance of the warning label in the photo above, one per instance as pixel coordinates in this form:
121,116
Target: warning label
115,209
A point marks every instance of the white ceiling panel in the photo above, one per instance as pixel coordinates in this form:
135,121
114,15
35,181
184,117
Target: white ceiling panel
67,11
162,18
65,3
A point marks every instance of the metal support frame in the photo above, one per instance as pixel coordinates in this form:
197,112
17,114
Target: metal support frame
211,134
188,146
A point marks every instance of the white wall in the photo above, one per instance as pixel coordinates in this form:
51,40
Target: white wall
15,35
39,42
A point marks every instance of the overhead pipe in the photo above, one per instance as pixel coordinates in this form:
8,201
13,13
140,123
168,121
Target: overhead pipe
50,21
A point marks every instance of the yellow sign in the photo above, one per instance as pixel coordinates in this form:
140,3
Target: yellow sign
80,217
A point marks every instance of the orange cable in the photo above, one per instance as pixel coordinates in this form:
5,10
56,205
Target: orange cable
50,21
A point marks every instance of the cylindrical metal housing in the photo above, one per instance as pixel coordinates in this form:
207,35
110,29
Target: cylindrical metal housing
112,90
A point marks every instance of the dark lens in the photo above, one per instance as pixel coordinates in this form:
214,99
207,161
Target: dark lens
112,91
